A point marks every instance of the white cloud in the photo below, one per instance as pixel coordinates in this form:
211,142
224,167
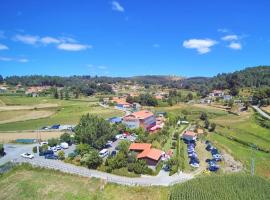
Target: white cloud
102,67
230,37
73,47
27,39
3,47
223,30
235,46
8,59
49,40
5,59
117,7
201,45
23,60
156,45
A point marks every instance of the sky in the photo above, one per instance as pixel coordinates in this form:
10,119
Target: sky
132,37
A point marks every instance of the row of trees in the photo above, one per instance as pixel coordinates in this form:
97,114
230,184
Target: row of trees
143,99
210,126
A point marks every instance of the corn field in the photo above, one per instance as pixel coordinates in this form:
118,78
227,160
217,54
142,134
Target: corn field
224,187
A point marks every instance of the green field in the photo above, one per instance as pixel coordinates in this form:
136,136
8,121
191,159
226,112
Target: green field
231,187
25,182
67,112
34,183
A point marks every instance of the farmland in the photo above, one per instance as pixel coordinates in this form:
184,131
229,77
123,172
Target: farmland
33,113
237,186
34,183
25,182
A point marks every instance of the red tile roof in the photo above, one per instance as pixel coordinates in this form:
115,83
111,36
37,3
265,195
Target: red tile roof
190,133
139,146
142,114
147,151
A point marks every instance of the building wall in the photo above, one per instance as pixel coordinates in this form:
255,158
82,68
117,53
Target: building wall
148,122
151,162
132,124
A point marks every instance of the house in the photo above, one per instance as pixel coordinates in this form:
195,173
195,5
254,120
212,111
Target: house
143,118
121,102
217,93
189,135
227,97
144,151
206,100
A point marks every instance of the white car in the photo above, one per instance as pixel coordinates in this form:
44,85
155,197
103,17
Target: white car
27,155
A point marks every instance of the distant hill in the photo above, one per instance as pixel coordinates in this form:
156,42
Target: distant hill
249,77
156,79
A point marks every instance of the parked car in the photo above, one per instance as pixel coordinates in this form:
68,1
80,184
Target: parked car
196,165
47,152
51,156
43,143
27,155
213,168
113,153
64,145
103,153
58,148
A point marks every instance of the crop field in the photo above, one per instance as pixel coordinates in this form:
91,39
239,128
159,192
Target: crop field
34,115
237,187
34,183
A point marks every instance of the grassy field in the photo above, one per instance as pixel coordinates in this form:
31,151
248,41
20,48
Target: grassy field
28,183
236,187
25,182
67,112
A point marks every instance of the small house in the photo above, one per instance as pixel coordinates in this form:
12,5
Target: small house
189,136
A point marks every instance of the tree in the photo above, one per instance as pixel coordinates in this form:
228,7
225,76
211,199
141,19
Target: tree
206,124
66,94
129,99
203,116
82,149
2,150
52,142
65,137
1,79
212,127
61,95
91,159
55,93
123,146
61,155
189,96
94,131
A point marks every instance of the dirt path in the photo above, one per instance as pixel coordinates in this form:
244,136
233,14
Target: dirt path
32,107
2,103
230,164
6,137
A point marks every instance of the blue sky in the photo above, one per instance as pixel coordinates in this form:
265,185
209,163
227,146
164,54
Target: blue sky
132,37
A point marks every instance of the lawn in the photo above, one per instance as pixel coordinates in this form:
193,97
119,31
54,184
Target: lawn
68,112
29,183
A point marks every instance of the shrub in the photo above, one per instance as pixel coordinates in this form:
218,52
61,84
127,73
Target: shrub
61,155
2,150
34,149
53,142
173,144
91,159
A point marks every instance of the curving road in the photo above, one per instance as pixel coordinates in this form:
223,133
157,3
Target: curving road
162,178
261,112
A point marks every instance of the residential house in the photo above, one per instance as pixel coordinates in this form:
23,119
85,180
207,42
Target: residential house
189,135
144,151
227,97
217,93
143,118
121,102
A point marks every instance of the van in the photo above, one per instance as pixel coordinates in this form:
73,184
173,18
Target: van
103,153
64,145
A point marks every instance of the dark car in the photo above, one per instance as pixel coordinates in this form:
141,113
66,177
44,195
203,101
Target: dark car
113,153
209,147
166,168
47,152
213,168
214,151
51,156
56,126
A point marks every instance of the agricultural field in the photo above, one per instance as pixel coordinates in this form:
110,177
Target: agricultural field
33,183
33,113
237,186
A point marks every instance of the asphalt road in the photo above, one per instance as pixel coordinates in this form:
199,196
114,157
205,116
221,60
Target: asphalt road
261,112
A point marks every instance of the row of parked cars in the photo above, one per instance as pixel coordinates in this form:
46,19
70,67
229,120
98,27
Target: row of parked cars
216,157
194,161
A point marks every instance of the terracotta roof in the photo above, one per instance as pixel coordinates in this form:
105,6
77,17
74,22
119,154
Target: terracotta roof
142,114
190,133
120,101
139,146
147,152
200,131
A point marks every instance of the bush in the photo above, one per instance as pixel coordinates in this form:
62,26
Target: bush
2,150
91,159
61,155
53,142
34,149
72,155
173,170
173,144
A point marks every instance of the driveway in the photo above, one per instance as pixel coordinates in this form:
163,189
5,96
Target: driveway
14,151
261,112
